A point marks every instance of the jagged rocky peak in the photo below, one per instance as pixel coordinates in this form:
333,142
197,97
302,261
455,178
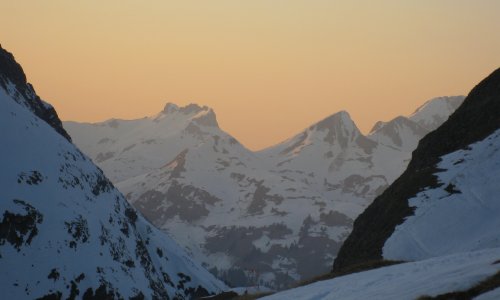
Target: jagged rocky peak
207,119
170,108
333,121
14,82
191,108
11,70
340,122
202,115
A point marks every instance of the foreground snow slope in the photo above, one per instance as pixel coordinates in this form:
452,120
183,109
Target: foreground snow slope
65,231
430,277
271,217
460,215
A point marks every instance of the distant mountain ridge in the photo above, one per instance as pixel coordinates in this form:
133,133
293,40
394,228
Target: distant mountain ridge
127,148
251,216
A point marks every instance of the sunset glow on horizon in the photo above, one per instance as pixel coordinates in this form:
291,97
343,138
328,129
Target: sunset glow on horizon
268,68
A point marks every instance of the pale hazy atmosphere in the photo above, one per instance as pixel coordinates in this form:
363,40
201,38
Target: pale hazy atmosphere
238,150
268,68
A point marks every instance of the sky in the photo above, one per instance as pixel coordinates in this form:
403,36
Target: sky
269,68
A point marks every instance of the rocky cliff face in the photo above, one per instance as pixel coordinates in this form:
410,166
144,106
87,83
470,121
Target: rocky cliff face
13,82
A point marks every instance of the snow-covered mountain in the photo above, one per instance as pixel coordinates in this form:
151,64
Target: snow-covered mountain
334,157
65,231
447,200
272,217
469,182
335,146
127,148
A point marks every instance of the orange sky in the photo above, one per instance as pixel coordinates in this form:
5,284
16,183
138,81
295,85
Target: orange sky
269,68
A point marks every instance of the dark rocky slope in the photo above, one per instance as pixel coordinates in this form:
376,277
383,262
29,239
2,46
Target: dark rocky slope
13,80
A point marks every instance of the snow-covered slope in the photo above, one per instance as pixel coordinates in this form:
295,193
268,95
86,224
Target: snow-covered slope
65,231
408,281
462,214
447,199
271,217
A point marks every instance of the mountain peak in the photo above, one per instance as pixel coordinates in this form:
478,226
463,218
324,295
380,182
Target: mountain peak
340,118
201,115
443,100
170,108
435,111
207,118
189,109
339,126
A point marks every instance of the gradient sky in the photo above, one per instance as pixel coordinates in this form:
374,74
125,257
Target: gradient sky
269,68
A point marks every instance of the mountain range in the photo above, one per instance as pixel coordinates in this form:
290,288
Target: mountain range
408,211
271,217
